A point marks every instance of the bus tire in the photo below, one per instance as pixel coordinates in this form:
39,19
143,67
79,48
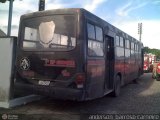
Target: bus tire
117,87
135,81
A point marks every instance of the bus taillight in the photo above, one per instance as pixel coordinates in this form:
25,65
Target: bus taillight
80,79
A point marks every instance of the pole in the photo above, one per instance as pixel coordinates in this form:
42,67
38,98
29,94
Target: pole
140,36
41,5
140,30
10,17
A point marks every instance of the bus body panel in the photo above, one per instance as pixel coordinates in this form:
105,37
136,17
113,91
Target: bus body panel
74,73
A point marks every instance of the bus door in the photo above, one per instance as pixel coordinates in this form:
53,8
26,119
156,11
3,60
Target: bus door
109,62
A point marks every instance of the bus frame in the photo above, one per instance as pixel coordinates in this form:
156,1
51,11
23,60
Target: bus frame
103,59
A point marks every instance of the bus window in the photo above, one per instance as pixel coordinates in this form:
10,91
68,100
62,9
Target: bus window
99,34
30,34
95,40
91,31
132,45
127,45
29,44
117,40
121,42
73,41
95,48
46,31
135,47
56,32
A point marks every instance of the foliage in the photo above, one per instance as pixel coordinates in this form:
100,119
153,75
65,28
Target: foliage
3,1
153,51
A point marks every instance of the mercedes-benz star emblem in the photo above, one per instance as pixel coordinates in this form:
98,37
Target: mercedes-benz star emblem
24,63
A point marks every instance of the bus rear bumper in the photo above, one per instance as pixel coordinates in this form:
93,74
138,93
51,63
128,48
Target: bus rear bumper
55,92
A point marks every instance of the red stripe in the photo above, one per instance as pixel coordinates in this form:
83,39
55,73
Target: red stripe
60,63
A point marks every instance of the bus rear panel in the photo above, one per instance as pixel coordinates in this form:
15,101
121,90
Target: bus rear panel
47,59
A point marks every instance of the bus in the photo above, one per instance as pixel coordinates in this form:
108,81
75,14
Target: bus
149,60
73,54
146,66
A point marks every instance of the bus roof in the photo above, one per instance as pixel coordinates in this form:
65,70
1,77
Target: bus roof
52,11
87,14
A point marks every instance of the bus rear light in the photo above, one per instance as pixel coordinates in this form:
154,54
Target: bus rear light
80,79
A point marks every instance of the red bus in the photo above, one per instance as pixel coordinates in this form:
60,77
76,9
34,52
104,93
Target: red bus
146,66
149,59
73,54
156,70
152,59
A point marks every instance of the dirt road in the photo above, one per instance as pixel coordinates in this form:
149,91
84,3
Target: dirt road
140,98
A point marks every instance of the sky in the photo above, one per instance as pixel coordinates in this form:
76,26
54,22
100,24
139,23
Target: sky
124,14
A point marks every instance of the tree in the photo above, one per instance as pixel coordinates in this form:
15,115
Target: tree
3,1
153,51
147,50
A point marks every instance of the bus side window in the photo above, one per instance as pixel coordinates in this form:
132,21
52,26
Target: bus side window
135,47
121,42
95,40
132,45
91,31
95,48
99,34
127,45
117,40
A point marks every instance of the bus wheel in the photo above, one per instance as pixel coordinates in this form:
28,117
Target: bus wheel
117,87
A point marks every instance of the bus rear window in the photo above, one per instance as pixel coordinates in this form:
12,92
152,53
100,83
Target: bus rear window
56,32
